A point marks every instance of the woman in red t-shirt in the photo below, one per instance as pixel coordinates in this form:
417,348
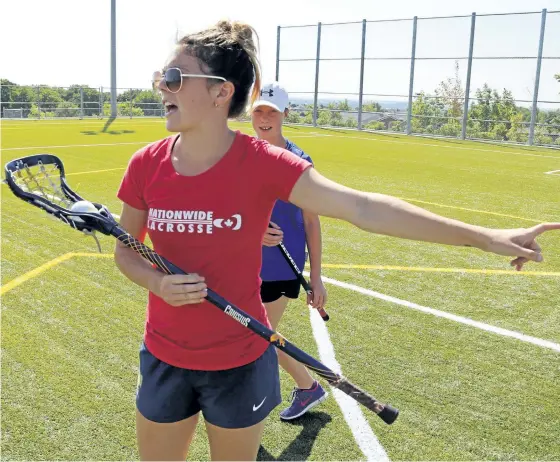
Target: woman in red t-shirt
205,198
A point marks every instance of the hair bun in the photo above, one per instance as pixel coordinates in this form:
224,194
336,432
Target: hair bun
242,31
239,32
225,26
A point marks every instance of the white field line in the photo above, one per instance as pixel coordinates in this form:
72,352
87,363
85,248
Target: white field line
363,434
443,314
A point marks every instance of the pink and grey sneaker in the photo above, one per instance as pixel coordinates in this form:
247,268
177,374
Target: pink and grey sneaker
303,400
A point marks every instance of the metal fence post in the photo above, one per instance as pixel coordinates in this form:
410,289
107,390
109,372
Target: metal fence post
100,102
468,83
277,53
81,102
317,60
113,58
537,81
39,101
411,86
361,96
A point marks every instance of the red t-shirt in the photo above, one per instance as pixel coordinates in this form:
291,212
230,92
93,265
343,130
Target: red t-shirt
211,224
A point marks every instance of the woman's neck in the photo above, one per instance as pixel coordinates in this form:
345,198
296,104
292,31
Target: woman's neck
204,144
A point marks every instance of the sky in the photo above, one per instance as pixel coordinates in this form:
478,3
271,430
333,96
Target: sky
64,42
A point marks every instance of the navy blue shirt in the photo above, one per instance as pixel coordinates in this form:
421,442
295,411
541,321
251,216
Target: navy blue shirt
290,219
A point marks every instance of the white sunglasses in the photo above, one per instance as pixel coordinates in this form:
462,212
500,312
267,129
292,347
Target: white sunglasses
173,79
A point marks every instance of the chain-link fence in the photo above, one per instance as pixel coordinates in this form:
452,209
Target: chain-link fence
485,77
44,102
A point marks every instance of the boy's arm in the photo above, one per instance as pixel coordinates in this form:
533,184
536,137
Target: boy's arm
314,244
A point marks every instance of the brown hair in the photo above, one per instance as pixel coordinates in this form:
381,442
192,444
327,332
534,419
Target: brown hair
229,51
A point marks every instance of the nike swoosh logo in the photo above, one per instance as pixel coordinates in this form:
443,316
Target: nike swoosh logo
256,408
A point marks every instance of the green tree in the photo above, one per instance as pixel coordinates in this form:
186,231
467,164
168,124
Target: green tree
498,115
451,94
67,109
6,90
372,106
49,98
91,98
427,114
481,109
550,121
398,126
149,101
451,128
23,97
439,114
293,117
324,118
123,109
375,126
343,106
336,119
308,118
128,95
518,131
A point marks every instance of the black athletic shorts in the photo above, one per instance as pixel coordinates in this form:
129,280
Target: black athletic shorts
273,290
233,398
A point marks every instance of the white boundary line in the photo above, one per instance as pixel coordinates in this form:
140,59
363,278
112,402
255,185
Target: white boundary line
452,317
553,172
363,434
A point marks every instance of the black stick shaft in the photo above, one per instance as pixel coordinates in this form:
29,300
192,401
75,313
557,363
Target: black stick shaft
301,277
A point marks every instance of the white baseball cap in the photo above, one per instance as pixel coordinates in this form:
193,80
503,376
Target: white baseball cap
274,96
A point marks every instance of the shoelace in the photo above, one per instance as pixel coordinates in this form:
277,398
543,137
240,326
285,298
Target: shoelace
294,394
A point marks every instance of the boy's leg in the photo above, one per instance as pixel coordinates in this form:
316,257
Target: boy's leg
308,393
298,371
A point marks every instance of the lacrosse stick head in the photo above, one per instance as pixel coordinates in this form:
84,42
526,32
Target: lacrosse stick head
40,180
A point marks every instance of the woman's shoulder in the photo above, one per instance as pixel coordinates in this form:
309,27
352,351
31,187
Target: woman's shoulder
253,144
262,149
156,148
155,151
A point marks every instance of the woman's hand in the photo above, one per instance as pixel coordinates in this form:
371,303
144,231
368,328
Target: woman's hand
519,243
180,289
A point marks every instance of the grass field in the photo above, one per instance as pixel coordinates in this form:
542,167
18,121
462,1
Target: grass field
71,330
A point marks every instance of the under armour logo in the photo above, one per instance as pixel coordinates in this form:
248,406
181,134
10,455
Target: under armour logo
270,92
